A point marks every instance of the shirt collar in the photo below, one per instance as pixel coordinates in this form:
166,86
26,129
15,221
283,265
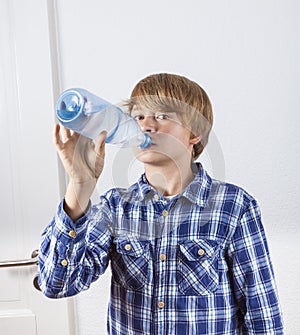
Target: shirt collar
196,192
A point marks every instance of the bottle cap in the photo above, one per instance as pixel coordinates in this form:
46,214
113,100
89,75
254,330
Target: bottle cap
69,105
147,142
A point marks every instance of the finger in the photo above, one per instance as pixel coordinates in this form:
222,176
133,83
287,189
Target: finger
56,135
100,142
65,133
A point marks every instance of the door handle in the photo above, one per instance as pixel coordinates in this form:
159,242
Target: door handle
23,262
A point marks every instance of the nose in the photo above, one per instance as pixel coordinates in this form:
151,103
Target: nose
148,124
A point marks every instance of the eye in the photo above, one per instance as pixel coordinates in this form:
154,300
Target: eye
162,116
138,117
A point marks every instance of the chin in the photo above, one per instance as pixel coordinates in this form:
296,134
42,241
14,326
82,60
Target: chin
145,156
152,157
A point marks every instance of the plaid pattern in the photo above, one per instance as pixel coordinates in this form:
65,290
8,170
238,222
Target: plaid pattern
196,264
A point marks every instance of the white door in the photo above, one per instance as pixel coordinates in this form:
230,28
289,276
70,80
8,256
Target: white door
29,172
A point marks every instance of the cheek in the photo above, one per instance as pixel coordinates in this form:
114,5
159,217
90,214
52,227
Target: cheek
175,143
177,138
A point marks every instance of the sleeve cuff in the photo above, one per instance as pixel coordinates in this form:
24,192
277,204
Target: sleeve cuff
65,229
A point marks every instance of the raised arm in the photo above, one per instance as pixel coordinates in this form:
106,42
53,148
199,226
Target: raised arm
75,245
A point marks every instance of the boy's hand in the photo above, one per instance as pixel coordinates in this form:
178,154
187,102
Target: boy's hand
82,158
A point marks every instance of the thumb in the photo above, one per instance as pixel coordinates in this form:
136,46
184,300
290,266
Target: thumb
100,142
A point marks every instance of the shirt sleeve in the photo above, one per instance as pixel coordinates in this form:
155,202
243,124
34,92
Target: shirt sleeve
73,254
253,276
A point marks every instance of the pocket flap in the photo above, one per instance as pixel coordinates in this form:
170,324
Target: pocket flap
131,247
195,250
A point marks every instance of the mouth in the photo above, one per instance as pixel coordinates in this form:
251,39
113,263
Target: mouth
149,147
152,142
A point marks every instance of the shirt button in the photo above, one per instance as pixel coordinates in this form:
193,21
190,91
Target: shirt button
127,247
201,252
156,197
162,257
72,233
161,304
164,213
64,262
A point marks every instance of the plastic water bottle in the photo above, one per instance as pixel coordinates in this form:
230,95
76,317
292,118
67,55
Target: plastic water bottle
88,115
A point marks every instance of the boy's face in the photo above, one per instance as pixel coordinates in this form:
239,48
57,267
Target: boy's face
171,140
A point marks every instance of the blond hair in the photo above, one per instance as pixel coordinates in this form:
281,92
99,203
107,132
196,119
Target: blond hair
165,91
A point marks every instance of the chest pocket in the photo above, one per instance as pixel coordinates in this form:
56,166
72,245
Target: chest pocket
130,262
197,272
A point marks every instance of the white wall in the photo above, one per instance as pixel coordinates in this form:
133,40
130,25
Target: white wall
246,56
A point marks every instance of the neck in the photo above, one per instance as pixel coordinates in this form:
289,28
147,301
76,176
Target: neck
169,179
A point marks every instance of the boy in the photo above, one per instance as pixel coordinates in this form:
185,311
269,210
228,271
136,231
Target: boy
188,253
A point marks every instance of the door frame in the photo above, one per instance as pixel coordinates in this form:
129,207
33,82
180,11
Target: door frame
31,79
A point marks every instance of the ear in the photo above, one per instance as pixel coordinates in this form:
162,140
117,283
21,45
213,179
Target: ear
195,139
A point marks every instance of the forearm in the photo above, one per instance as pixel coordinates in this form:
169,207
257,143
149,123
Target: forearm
77,198
69,257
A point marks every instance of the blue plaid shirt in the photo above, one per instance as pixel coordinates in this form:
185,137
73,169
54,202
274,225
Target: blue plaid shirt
194,264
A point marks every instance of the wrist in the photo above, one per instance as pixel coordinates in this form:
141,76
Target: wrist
83,183
77,197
